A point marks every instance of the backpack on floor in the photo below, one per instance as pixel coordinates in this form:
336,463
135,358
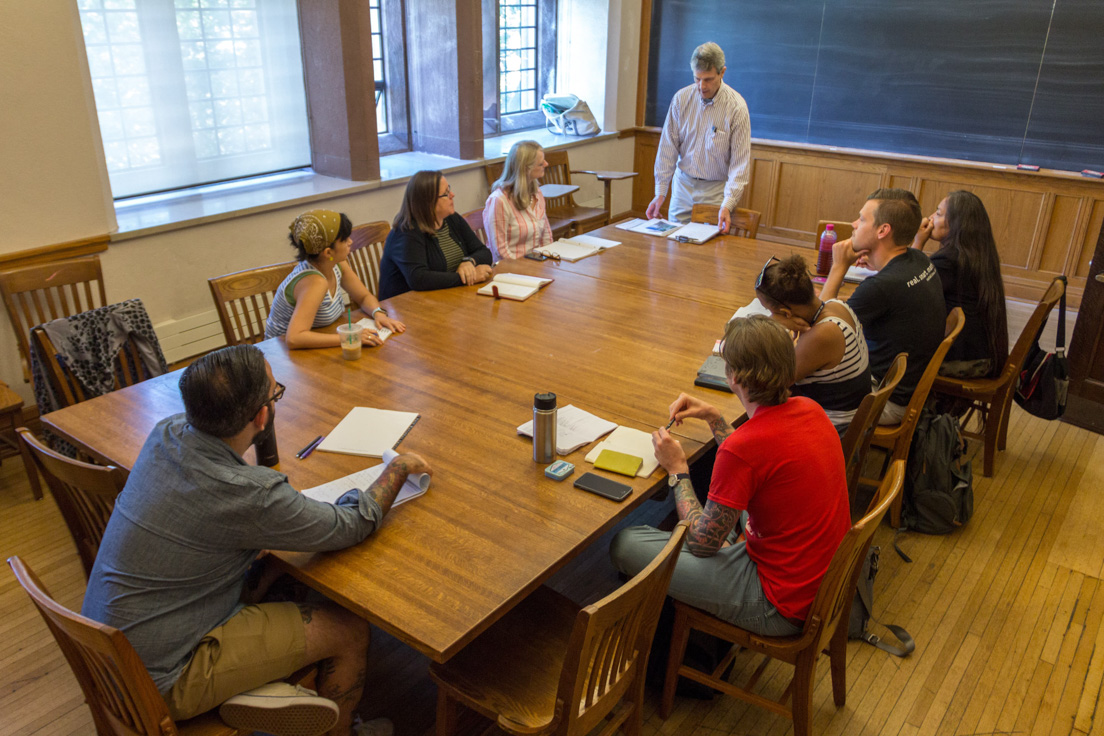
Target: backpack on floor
938,491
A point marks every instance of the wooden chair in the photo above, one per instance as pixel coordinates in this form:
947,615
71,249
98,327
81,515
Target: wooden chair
825,630
566,217
549,668
896,439
475,222
991,398
367,250
843,230
11,414
85,494
129,369
36,294
116,685
856,441
744,223
243,300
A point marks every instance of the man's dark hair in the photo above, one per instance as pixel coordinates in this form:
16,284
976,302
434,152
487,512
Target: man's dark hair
899,208
224,390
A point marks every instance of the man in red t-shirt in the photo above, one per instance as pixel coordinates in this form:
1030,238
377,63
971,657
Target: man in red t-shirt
779,478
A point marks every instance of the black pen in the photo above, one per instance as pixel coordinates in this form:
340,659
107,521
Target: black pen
669,424
310,447
404,434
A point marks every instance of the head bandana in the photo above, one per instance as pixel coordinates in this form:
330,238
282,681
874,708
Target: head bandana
316,230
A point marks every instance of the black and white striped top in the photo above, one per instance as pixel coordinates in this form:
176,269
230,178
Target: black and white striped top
452,250
841,389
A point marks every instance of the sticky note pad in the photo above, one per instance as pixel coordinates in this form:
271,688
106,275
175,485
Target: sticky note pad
618,462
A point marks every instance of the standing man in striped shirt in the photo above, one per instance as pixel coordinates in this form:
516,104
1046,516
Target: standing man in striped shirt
706,143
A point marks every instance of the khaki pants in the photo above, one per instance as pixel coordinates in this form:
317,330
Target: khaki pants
258,645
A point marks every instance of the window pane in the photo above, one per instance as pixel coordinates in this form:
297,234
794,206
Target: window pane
210,91
516,54
374,8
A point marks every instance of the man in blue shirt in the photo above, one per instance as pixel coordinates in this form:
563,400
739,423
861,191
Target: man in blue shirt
185,530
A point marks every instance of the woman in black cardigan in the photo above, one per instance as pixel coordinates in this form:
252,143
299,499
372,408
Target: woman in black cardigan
430,246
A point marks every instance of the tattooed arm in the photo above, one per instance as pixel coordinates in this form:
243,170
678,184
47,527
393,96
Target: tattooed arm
709,527
387,486
686,406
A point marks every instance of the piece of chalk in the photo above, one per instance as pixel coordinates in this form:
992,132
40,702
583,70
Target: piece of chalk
1027,167
1092,174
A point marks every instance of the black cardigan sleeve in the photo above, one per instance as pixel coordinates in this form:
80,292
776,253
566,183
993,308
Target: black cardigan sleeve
419,258
468,240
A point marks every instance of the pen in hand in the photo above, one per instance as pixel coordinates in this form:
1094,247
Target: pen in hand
670,424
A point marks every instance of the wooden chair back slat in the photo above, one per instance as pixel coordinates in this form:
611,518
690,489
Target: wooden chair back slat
610,642
744,223
856,441
36,294
475,222
116,684
367,250
243,322
85,494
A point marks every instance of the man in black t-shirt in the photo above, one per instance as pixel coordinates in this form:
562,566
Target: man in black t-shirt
901,307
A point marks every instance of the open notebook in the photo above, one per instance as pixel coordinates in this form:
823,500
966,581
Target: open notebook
513,286
649,227
415,485
576,248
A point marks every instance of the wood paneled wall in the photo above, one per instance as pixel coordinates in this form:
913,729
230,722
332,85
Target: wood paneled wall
1045,223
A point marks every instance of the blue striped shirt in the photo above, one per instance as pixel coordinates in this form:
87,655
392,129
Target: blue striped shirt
710,139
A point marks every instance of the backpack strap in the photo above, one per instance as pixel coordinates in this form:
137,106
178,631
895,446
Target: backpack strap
908,645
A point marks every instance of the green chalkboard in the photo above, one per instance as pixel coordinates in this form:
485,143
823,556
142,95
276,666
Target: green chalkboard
1006,81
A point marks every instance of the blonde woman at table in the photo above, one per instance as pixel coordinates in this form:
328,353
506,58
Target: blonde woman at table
833,363
514,217
430,246
312,295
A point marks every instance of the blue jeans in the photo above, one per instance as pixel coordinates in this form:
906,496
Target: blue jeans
726,585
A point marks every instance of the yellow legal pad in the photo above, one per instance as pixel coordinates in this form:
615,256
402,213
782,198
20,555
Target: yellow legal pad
618,462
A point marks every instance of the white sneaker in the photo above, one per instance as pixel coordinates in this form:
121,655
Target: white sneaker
281,709
375,727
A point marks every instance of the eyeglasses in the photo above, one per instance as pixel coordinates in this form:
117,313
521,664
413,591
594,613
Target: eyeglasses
759,281
276,396
448,191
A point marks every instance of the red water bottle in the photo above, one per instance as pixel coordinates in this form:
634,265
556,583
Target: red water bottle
824,257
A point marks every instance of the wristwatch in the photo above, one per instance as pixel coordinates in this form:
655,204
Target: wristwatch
468,259
673,480
376,311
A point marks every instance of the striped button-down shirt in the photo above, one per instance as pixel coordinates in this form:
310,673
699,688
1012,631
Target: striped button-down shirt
709,139
512,232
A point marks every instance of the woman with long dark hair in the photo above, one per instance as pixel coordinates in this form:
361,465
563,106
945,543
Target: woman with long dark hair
969,267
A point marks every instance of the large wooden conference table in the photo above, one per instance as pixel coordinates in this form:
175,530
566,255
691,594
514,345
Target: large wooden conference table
618,334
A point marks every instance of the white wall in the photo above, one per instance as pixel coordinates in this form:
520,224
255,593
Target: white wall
54,188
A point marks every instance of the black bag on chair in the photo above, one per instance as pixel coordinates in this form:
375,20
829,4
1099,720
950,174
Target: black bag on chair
1044,380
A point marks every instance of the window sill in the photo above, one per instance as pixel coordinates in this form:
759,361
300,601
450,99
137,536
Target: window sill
154,214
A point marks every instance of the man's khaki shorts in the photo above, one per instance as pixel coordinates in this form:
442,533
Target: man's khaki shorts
258,645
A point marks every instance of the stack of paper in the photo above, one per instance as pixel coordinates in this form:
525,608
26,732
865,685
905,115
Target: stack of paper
574,428
576,248
712,374
858,274
513,286
370,432
755,307
631,442
649,227
415,485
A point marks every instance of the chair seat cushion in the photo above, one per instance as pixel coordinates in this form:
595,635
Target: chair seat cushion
513,668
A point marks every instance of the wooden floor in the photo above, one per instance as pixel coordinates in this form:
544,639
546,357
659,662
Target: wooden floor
1008,616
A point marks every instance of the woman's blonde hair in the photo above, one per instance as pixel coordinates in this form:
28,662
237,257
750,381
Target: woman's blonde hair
760,356
515,181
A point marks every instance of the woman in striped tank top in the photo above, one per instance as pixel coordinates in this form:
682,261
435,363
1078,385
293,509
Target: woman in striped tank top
833,365
514,217
312,295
